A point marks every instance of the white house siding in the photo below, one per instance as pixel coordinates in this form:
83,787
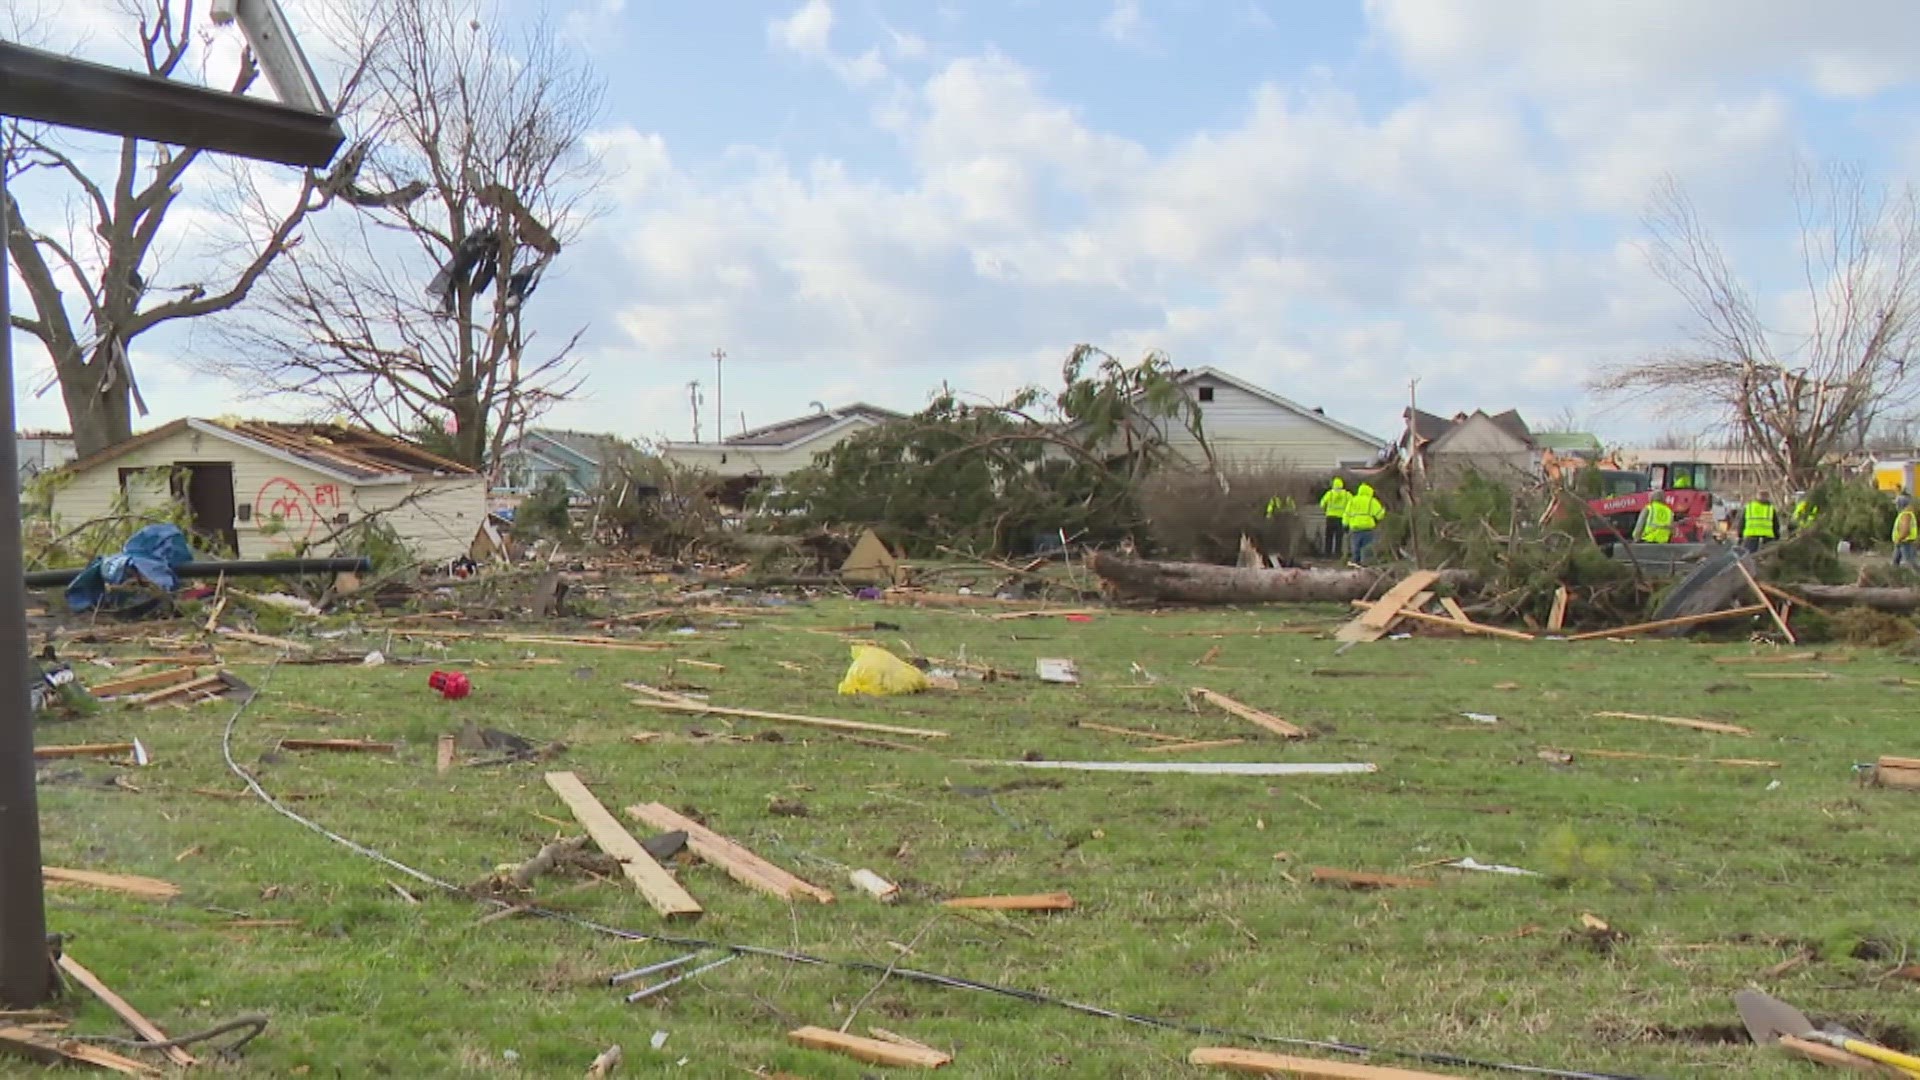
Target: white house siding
757,460
1250,431
303,502
1480,444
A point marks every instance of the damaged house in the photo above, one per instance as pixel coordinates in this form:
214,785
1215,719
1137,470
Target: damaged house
262,489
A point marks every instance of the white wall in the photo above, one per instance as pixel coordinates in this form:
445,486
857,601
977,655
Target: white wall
1249,430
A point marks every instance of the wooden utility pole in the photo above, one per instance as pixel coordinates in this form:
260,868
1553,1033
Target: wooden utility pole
719,399
1411,481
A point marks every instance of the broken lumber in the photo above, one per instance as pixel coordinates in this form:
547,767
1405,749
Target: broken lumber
1138,733
340,745
1669,624
1264,1064
128,1015
1681,721
54,1051
1897,600
136,749
1198,768
1381,614
740,864
443,753
1635,755
654,883
131,884
1897,772
264,640
1822,1054
875,886
605,1062
1054,901
1557,615
1183,747
1133,579
143,682
544,860
1270,722
191,686
1760,595
1467,627
1057,670
871,1051
689,705
1360,879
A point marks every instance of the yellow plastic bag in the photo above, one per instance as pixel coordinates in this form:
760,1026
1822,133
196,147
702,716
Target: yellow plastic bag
880,673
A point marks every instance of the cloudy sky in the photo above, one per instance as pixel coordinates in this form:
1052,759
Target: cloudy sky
863,199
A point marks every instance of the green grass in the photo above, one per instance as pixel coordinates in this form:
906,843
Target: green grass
1184,910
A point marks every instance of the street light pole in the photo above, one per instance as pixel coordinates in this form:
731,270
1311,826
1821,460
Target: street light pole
25,975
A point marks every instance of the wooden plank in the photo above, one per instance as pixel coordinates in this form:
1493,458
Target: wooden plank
1251,715
133,884
340,745
1761,595
1138,733
654,883
740,864
204,682
1557,616
1055,901
1818,676
1892,777
1182,747
1681,721
1264,1064
1356,632
53,1051
443,754
1834,1057
1634,755
264,640
105,749
1769,658
1468,627
143,682
1379,617
871,1051
898,1039
875,886
701,707
128,1015
1453,609
1359,879
1889,762
1668,624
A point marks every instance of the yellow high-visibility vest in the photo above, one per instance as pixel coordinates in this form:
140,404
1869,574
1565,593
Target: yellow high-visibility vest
1334,502
1906,527
1659,528
1758,520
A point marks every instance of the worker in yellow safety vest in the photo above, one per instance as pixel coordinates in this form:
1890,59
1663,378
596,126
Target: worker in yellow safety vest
1804,512
1334,506
1656,521
1757,522
1906,530
1362,517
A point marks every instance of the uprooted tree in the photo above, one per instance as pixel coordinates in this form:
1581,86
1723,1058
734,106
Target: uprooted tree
1796,398
412,315
97,266
996,477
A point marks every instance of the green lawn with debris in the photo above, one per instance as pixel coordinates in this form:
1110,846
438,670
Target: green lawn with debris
1194,896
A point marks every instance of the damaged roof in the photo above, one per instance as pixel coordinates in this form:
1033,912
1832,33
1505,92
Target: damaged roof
349,453
788,432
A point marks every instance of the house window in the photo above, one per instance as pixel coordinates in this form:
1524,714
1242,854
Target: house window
1206,393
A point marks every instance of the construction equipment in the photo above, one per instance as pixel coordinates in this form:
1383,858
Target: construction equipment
1770,1020
1687,486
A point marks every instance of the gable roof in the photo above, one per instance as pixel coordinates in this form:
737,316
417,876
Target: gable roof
801,428
355,455
591,448
1194,375
1428,427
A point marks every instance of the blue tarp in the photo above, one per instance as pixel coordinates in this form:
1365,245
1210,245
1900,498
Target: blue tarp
149,556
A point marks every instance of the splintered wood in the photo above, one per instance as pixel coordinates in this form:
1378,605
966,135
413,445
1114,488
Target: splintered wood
1373,624
1264,1064
1681,721
1057,901
872,1051
128,1015
653,881
50,1050
687,705
1251,715
144,682
133,885
1356,879
740,864
1897,772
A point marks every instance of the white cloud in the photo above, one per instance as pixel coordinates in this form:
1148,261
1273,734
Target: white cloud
1125,22
806,30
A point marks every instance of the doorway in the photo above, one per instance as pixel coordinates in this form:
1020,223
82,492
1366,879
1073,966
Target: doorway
207,489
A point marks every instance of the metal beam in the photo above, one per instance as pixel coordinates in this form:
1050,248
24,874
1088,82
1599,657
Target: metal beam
53,89
267,30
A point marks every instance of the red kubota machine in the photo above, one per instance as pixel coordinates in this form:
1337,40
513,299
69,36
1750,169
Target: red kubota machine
1687,486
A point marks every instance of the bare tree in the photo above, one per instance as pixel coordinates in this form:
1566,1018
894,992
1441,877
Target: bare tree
89,278
1793,400
411,316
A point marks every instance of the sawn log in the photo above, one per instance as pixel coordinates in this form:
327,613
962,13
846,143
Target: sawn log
1198,583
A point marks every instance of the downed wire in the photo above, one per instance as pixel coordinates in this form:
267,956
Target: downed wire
1429,1057
256,1023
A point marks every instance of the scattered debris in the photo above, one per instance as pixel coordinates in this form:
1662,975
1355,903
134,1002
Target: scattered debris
366,746
1270,722
141,1026
132,884
1481,717
1471,863
1137,733
1669,624
875,886
443,753
1184,747
1055,901
1897,772
1681,721
653,881
1262,1063
606,1062
49,1050
689,705
738,863
1358,879
1057,670
872,1051
1200,768
452,685
135,750
879,673
1635,755
1379,616
1557,615
144,682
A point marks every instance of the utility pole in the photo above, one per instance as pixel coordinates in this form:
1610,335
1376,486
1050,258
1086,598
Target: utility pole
1413,457
719,398
693,399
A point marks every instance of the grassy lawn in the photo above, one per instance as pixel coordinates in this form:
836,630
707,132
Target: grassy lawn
1186,909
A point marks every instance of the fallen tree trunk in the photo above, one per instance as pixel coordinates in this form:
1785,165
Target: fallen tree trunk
1899,601
1199,583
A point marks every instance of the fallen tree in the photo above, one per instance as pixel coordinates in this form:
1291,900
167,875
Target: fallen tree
1897,600
1198,583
